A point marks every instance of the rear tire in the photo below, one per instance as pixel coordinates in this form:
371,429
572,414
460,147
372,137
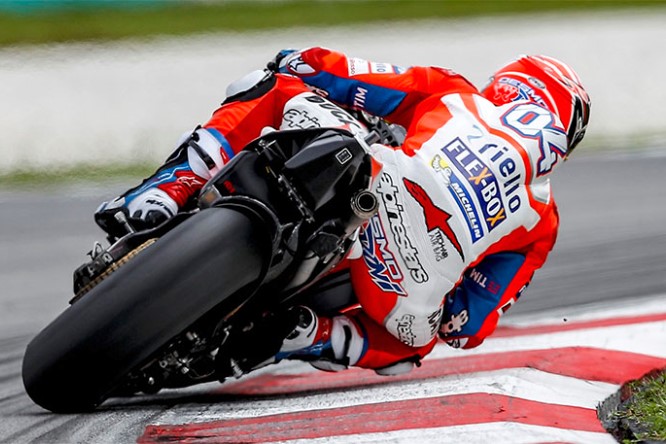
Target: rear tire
77,360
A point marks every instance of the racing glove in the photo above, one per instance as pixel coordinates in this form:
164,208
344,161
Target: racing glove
278,61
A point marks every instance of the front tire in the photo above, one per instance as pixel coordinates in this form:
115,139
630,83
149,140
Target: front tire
77,360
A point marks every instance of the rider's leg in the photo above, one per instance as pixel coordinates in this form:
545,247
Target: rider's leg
253,103
358,337
328,343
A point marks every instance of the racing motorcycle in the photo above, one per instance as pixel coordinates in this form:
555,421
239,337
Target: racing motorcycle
154,309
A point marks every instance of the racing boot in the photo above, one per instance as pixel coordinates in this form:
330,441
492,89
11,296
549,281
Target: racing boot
143,210
170,189
334,344
298,333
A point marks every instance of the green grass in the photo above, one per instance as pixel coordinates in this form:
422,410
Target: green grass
647,407
131,174
166,18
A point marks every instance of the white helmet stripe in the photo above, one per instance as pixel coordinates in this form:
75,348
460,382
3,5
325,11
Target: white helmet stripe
561,68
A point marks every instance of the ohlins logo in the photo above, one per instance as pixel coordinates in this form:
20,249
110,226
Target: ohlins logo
437,220
394,211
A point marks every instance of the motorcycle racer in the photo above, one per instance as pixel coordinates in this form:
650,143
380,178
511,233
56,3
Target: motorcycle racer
466,212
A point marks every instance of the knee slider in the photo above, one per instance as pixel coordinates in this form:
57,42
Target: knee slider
249,87
399,368
204,153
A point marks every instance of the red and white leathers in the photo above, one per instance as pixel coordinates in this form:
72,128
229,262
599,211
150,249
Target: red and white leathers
466,213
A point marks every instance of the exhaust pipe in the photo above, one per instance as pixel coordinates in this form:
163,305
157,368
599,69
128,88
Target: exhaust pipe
364,204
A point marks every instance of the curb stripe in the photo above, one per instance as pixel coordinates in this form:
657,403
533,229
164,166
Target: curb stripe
476,408
592,364
515,389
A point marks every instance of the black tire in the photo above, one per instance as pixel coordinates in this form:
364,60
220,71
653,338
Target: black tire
78,359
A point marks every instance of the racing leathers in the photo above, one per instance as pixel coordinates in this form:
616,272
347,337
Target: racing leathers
466,214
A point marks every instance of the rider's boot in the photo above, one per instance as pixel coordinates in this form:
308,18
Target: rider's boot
334,344
170,189
298,333
328,343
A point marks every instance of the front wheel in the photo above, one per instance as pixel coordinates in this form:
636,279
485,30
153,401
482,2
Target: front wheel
78,359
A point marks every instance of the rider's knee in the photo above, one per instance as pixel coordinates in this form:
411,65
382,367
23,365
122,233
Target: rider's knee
249,87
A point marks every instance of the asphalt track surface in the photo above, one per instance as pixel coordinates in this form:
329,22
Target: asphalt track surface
612,246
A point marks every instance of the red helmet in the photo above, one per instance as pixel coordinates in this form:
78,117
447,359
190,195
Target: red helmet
549,83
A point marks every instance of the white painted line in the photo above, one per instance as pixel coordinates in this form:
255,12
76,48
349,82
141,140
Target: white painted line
495,433
648,338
